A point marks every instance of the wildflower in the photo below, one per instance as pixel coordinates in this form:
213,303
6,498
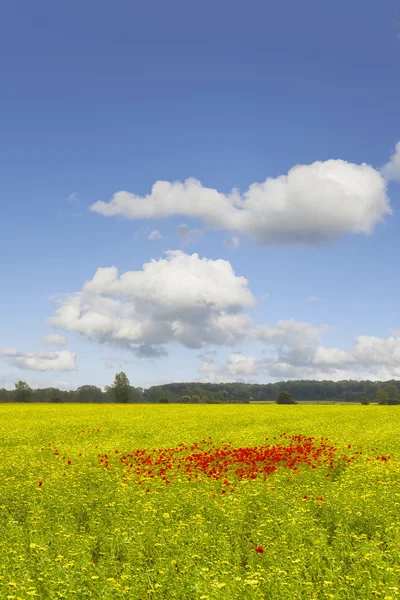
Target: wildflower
259,549
40,483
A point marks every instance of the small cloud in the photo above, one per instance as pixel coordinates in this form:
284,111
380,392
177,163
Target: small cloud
231,244
263,297
391,171
155,235
313,299
207,356
108,365
149,350
40,361
73,198
188,235
151,234
54,340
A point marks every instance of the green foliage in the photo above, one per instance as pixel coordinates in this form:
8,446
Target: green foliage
216,393
185,399
163,400
89,393
393,401
285,398
364,401
388,395
392,393
382,396
56,400
23,392
121,388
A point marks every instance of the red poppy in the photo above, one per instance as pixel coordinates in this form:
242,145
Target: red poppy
40,483
259,549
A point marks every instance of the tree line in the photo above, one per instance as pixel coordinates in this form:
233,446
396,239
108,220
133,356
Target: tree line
121,391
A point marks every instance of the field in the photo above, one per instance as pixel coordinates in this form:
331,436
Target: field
208,509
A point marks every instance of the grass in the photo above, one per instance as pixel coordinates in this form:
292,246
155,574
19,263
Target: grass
80,530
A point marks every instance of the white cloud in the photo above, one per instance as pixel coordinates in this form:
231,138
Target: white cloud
391,171
236,368
207,356
73,198
181,298
54,340
291,337
312,204
231,244
155,235
9,352
188,235
367,351
149,233
373,358
312,299
199,302
40,361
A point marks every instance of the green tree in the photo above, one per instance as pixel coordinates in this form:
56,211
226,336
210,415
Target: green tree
89,393
392,394
382,396
285,398
364,401
56,400
23,392
121,388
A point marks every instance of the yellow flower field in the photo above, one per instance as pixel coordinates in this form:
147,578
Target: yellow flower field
208,509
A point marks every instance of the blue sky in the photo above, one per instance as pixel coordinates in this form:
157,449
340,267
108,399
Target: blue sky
99,98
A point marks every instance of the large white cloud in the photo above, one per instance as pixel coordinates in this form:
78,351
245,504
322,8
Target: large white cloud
40,361
311,204
199,302
181,298
391,170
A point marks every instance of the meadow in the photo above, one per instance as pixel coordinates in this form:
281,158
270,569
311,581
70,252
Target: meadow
193,502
